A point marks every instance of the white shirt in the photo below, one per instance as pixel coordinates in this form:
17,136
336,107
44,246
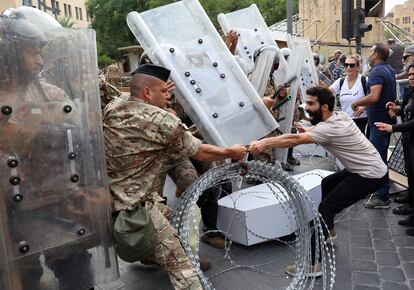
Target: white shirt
348,95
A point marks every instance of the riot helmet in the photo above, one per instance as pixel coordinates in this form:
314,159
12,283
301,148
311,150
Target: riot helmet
285,52
21,44
316,59
262,48
144,59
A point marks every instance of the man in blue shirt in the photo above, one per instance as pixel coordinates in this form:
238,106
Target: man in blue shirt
381,89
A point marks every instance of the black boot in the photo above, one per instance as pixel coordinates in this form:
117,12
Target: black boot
402,197
408,222
405,209
410,232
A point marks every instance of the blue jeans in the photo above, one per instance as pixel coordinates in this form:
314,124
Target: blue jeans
381,141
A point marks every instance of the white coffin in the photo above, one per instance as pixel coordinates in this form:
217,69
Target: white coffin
254,215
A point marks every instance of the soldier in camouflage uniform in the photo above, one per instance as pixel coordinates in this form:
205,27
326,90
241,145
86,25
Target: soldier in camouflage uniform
184,172
46,205
139,136
107,91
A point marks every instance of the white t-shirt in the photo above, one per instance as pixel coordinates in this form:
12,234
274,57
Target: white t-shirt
341,136
348,95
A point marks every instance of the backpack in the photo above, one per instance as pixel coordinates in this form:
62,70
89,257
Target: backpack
363,82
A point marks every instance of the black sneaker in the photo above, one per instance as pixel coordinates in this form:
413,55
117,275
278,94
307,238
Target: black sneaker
293,161
410,232
408,222
287,167
405,209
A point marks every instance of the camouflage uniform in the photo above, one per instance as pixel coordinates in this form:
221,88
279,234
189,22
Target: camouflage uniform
139,137
113,74
268,154
107,91
181,171
270,88
42,193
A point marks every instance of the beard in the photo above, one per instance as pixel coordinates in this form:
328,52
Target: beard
316,116
371,62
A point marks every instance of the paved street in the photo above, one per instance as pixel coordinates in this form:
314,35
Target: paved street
372,252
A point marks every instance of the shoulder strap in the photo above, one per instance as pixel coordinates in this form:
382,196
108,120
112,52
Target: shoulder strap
341,82
364,84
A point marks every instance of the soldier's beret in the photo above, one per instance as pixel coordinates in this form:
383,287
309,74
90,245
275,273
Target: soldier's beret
154,71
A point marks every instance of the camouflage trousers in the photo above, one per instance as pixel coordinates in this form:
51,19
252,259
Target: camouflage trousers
181,171
169,252
184,172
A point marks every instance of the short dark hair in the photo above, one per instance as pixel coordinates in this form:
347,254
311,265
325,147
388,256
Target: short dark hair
382,50
410,66
324,96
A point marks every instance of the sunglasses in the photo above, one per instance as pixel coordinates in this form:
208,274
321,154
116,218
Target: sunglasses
351,65
406,56
411,74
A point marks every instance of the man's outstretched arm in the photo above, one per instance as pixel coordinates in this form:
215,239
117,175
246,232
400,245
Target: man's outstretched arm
283,141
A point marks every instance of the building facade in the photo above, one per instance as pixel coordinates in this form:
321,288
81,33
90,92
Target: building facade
74,9
403,16
321,22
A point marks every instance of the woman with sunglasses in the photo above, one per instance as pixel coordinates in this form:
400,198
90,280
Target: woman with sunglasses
349,89
406,111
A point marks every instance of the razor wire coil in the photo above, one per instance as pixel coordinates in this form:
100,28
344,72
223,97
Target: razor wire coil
294,201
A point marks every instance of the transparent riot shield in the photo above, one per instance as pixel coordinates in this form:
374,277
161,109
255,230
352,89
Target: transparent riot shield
253,37
212,88
285,76
55,228
302,63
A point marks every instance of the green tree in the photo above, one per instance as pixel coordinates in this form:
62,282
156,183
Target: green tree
108,16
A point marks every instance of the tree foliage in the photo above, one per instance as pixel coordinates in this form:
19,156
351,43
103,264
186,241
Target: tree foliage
108,16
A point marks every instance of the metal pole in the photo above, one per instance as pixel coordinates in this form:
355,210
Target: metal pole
289,16
326,30
303,30
390,31
358,42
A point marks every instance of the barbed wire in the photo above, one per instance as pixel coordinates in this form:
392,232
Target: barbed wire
295,203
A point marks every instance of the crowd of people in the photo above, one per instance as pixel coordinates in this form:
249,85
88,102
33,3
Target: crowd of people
353,119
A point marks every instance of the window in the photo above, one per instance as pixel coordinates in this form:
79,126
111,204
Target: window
70,10
406,20
407,29
87,16
27,3
77,12
80,14
65,8
397,21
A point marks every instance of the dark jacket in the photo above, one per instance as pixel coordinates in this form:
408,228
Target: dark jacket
407,114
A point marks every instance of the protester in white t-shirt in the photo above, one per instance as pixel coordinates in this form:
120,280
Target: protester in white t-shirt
364,171
349,89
